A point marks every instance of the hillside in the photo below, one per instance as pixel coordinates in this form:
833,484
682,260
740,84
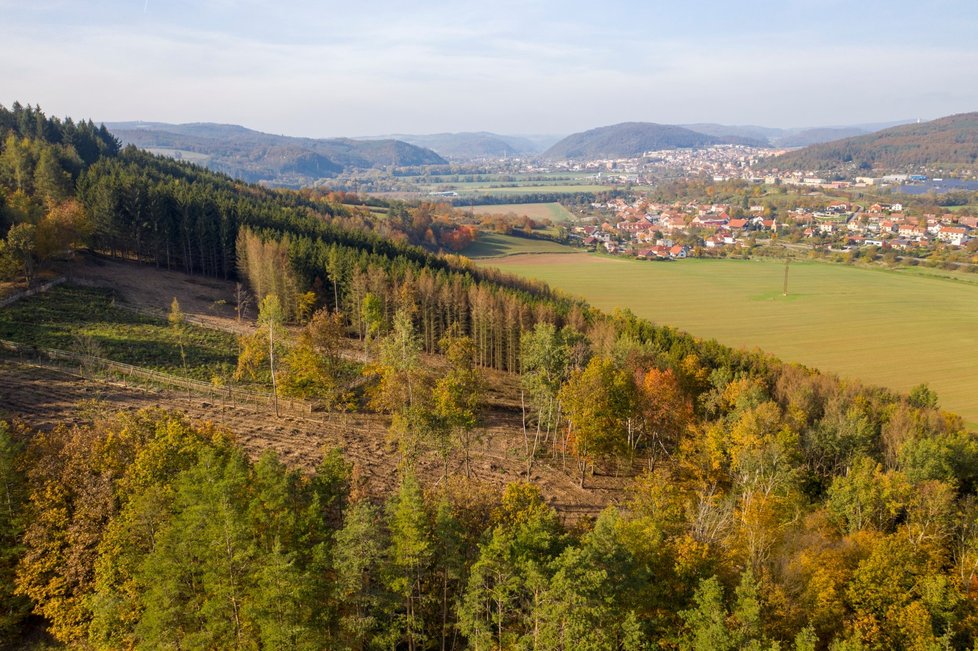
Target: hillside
631,139
255,156
815,136
469,146
948,142
761,134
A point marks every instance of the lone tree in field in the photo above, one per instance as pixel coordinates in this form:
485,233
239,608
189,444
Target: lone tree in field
178,324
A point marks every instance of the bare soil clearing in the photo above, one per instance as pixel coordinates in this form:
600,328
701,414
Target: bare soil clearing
44,397
210,300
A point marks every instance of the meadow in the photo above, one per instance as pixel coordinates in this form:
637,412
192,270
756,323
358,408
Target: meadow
883,327
494,245
87,320
553,211
529,188
511,185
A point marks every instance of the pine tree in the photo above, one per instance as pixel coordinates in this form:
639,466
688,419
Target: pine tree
13,608
408,558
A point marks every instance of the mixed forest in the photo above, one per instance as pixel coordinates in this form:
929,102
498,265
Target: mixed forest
768,506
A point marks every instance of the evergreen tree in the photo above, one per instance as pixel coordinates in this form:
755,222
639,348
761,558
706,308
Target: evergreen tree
13,608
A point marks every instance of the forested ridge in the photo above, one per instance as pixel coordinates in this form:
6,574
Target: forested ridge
769,506
948,143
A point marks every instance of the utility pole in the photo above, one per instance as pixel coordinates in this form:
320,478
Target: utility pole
787,261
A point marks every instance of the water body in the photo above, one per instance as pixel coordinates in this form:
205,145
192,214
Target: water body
939,187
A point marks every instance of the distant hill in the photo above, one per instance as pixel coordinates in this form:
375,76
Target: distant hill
475,145
947,142
805,137
793,137
631,139
761,134
255,156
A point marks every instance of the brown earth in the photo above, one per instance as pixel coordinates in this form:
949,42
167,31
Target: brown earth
211,301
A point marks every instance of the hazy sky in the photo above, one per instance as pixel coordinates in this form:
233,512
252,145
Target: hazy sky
325,68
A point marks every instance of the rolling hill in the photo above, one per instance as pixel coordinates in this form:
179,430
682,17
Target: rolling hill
469,146
630,139
762,134
815,136
255,156
946,142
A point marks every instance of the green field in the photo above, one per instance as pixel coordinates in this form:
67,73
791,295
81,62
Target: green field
87,321
495,245
883,327
533,189
538,211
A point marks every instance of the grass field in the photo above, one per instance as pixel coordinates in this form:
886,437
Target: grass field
63,316
883,327
539,211
534,189
494,245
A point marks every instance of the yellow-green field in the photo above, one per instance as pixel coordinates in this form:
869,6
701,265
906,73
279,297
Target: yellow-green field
883,327
495,245
539,211
534,189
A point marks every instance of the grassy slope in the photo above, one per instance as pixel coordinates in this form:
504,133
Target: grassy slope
552,211
57,318
883,327
494,245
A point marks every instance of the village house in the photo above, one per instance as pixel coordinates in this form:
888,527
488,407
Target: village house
954,235
678,252
909,231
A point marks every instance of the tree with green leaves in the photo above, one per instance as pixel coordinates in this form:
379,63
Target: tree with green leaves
402,389
409,557
262,346
21,248
178,325
361,598
544,359
600,401
501,607
13,493
196,581
457,397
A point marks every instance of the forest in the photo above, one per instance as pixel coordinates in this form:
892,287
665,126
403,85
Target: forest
947,143
769,506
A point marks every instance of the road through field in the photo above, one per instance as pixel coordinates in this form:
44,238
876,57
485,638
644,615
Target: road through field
883,327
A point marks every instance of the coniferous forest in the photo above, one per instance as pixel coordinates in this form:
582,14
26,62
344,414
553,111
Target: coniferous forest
768,506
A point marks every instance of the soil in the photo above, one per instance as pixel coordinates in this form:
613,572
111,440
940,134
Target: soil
211,301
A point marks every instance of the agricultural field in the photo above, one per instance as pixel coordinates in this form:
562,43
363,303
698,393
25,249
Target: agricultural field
510,184
532,189
554,211
883,327
495,245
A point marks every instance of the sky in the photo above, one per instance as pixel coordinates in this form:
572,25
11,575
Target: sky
323,68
